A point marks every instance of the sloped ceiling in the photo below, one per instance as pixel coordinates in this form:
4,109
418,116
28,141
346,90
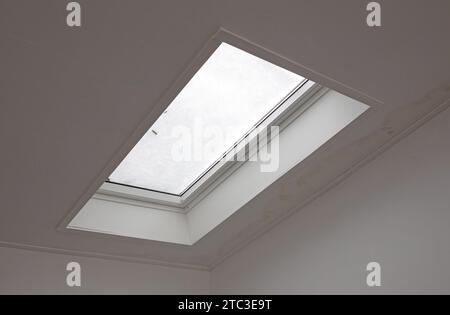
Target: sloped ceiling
69,98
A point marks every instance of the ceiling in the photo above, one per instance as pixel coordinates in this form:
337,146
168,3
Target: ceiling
70,98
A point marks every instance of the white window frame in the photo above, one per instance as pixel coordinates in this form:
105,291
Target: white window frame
293,105
116,213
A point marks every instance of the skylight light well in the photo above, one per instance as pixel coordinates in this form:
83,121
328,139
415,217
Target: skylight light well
228,96
153,195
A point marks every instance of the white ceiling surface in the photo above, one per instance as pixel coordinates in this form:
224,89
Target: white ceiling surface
70,98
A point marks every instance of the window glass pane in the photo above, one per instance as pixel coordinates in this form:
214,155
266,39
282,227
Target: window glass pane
230,93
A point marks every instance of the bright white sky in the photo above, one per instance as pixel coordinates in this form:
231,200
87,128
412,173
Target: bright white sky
230,93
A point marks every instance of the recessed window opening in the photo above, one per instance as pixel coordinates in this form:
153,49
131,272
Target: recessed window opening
233,90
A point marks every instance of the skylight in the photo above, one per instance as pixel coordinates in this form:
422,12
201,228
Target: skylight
227,96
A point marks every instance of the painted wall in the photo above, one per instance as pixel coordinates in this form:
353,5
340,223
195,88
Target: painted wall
395,210
33,272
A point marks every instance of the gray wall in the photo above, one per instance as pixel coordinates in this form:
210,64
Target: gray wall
32,272
395,210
